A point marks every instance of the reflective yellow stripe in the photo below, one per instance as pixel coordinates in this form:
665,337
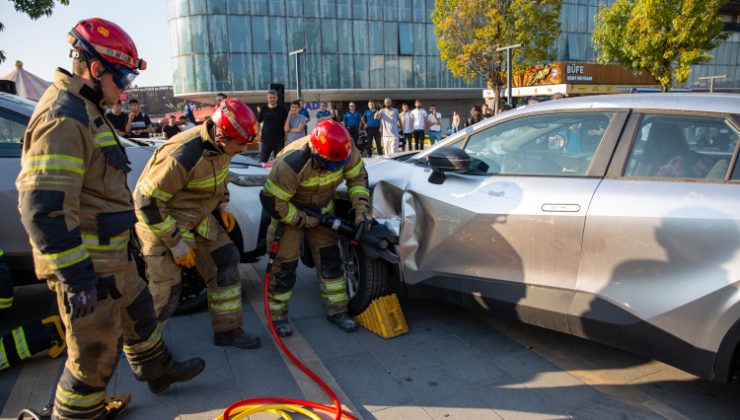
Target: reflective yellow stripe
166,225
67,258
334,285
147,344
335,297
60,162
355,171
276,306
151,190
225,307
187,234
210,181
291,214
358,190
104,139
226,294
282,297
21,346
278,192
331,177
6,303
4,363
2,252
203,226
328,208
93,242
72,399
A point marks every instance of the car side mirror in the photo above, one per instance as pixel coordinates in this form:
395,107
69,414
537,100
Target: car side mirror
447,159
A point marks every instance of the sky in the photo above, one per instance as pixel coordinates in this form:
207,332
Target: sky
42,45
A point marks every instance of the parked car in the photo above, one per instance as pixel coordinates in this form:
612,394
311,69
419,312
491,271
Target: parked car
246,174
613,218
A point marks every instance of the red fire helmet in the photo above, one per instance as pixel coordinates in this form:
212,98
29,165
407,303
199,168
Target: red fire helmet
235,120
105,40
331,141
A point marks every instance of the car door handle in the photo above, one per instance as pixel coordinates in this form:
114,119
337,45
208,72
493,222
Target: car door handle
565,208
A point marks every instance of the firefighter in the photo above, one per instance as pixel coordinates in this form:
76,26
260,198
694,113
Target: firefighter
78,213
306,175
180,197
30,338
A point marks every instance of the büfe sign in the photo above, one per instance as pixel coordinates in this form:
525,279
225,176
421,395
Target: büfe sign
590,73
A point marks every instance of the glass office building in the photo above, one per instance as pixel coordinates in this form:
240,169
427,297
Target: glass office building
353,49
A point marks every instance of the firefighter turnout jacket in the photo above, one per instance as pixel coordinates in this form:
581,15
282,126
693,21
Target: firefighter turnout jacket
181,186
73,197
296,181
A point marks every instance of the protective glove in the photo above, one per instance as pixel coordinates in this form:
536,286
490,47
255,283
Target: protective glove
183,254
81,303
363,223
227,217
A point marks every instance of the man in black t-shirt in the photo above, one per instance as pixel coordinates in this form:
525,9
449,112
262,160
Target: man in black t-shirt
138,124
273,119
117,118
171,129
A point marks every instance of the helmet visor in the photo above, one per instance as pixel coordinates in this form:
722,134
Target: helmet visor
123,77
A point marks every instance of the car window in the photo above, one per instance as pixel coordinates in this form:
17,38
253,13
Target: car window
561,144
12,128
680,146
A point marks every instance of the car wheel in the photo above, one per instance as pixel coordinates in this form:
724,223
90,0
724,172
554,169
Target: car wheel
367,278
194,293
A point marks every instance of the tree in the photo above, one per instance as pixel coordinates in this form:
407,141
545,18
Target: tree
469,32
663,37
34,9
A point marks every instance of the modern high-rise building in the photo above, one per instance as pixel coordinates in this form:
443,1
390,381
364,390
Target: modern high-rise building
356,50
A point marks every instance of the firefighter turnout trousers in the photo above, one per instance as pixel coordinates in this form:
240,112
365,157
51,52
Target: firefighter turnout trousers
124,309
217,261
322,242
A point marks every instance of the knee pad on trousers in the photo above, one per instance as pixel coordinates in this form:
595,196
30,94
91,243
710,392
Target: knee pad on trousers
141,312
331,262
226,259
285,278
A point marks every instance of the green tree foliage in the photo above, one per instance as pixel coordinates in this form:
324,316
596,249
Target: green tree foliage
469,32
663,37
34,9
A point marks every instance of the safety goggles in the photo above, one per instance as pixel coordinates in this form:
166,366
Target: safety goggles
328,164
123,77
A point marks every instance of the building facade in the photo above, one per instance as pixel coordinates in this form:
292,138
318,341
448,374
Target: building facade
354,50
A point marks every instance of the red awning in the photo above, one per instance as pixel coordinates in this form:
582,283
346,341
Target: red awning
28,85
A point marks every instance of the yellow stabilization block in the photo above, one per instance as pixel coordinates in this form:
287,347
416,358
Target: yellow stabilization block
384,317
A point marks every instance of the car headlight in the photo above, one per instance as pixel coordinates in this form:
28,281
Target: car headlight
245,180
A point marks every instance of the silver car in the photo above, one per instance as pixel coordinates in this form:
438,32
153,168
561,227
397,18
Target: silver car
613,218
246,176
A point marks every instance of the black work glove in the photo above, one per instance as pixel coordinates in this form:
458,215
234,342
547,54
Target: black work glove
82,303
363,223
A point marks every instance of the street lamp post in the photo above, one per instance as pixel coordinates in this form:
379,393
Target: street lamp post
297,53
509,79
711,81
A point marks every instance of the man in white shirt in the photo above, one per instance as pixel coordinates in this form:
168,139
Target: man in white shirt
434,120
419,116
390,122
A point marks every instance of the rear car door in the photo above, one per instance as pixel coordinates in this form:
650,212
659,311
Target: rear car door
508,232
660,265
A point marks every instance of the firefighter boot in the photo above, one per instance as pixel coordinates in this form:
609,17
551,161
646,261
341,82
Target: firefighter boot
57,341
237,338
178,372
283,328
344,321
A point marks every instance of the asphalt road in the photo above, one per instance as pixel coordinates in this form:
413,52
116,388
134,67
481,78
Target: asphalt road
454,363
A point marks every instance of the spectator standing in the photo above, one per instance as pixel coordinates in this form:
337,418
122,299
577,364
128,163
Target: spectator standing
475,116
351,121
189,110
455,123
171,129
272,117
372,127
486,111
407,122
185,123
324,113
390,122
419,115
138,124
434,120
305,113
295,124
117,118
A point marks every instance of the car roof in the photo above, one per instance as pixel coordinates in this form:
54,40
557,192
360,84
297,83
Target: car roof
704,102
17,104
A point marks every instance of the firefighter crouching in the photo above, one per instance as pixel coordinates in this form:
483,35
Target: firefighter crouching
179,198
77,210
305,175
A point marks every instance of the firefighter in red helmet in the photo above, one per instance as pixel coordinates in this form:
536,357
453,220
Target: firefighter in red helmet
76,207
306,175
182,204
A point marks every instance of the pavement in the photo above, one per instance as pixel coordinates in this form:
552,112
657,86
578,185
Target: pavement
454,364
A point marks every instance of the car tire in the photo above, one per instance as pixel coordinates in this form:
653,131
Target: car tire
367,278
194,295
